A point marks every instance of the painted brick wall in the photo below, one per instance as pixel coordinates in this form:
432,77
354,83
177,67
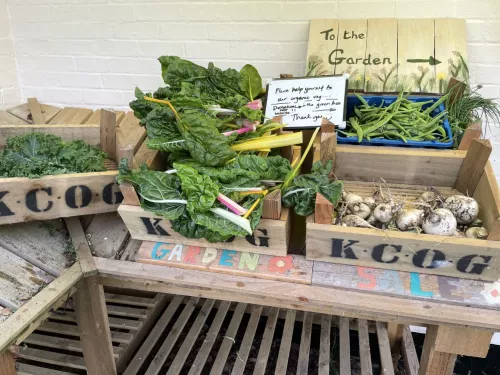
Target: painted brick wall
10,93
93,52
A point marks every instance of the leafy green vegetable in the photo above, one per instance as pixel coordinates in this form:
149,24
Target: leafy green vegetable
201,191
270,168
188,228
251,82
35,155
301,195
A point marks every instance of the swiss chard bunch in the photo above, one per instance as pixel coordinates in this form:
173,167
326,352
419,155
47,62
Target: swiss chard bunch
35,155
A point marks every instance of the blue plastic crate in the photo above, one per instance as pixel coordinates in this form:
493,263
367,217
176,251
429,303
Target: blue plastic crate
353,101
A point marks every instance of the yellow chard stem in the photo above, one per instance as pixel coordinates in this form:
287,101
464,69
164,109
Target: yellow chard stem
254,205
159,101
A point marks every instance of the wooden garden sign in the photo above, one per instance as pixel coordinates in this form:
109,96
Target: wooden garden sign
419,55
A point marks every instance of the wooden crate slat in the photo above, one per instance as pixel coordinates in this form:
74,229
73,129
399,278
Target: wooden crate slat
23,112
53,358
410,357
132,325
345,346
8,119
176,366
152,158
26,369
246,343
206,347
364,348
126,311
286,343
129,300
95,118
151,340
265,344
72,115
324,345
228,340
384,349
72,330
305,344
167,346
130,132
60,343
36,111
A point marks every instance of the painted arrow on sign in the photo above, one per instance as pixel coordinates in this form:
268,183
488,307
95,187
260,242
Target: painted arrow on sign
431,60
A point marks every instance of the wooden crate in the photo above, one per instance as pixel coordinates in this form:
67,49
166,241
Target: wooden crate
407,173
49,197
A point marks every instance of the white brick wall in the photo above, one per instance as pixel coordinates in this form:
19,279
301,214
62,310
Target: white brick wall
10,93
93,52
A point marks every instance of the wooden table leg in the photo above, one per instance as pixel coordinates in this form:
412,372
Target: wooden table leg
7,364
395,333
92,319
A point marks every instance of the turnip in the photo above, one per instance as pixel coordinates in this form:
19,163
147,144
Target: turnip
355,205
464,208
479,233
370,202
409,218
383,213
440,222
355,221
426,199
371,219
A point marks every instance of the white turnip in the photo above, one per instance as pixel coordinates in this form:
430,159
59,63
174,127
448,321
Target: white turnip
355,221
383,213
409,218
464,208
440,222
370,202
478,233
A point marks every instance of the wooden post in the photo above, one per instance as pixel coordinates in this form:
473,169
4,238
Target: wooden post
395,333
36,111
473,131
323,210
272,206
473,166
433,362
7,364
464,341
83,253
108,133
95,335
328,142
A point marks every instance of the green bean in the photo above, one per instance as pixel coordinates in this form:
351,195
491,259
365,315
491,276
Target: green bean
436,104
356,127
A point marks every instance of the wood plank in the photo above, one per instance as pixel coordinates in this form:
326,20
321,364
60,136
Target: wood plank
474,131
130,300
153,337
83,253
95,118
352,38
410,357
228,340
208,342
52,197
398,165
130,197
464,341
324,345
286,343
118,323
384,349
144,329
23,112
272,206
19,279
265,343
7,364
72,115
130,132
26,369
487,195
60,343
416,76
323,210
433,362
328,143
25,319
321,46
93,324
395,336
126,311
52,358
364,348
246,343
87,133
305,344
107,235
382,38
473,166
152,158
131,250
403,251
108,133
8,119
179,360
345,346
145,225
167,346
290,268
282,294
36,111
451,50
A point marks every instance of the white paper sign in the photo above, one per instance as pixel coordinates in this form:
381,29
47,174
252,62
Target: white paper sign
303,102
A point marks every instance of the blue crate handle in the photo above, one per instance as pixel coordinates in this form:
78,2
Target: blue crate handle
353,101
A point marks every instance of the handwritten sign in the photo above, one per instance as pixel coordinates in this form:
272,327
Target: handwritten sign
304,102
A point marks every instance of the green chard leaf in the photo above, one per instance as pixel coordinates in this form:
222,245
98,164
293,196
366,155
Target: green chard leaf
227,175
251,82
270,168
200,190
140,106
228,81
188,228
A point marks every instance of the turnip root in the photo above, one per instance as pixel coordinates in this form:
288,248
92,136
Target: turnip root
426,199
371,219
360,209
370,202
464,208
355,221
476,223
409,218
383,213
440,222
478,233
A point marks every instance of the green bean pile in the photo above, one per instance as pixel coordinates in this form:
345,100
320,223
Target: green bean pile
403,120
